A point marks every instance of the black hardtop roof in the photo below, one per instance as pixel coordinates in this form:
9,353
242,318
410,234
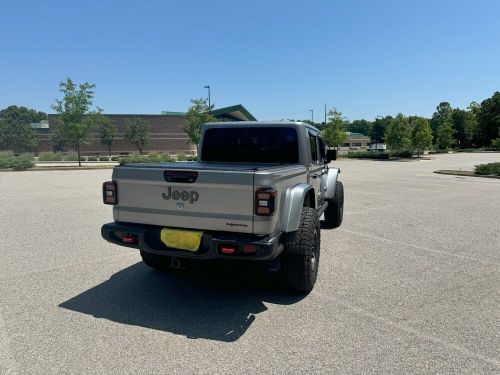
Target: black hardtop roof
261,123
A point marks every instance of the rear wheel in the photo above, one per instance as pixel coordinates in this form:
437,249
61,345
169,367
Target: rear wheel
334,213
301,256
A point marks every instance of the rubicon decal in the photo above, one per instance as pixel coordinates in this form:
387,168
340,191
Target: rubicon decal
191,196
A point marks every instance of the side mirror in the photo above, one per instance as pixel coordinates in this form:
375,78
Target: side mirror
330,155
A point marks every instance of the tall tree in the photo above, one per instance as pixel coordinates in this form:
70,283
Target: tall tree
198,114
421,134
465,127
377,132
138,133
489,119
75,115
398,134
334,133
444,135
107,131
360,126
443,111
16,133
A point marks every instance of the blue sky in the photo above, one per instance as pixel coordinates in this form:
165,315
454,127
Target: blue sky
278,58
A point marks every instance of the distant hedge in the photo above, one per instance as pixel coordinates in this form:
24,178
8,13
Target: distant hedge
18,163
368,155
57,156
490,168
154,157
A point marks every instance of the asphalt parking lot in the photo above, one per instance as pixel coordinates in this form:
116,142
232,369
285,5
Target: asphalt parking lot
409,284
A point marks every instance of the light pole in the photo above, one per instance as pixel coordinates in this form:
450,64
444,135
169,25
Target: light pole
312,115
208,87
325,114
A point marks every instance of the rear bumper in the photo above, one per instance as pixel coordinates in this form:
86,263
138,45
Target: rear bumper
148,240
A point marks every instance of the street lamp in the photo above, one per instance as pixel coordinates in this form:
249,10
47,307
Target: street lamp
312,115
208,87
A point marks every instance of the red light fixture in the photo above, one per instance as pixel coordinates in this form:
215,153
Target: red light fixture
265,201
110,192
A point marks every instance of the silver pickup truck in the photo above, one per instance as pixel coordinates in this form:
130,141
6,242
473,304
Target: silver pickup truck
256,193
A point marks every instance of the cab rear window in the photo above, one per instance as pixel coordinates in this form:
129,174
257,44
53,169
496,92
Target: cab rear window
251,145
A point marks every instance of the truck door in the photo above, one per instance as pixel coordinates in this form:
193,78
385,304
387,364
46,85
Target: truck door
316,167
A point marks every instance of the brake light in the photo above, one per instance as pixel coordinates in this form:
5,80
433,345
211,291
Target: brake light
109,193
265,201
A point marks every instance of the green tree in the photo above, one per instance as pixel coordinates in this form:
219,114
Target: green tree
444,136
58,138
377,132
489,119
465,127
197,115
398,134
360,126
421,134
16,133
334,133
138,133
443,111
107,131
75,115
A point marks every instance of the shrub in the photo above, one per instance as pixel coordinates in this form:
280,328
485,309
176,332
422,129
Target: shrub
488,169
191,158
23,162
70,156
115,158
469,150
438,151
50,156
92,158
495,144
403,154
165,158
368,155
6,159
19,163
181,157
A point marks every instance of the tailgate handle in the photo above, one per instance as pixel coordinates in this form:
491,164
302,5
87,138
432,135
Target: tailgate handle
180,176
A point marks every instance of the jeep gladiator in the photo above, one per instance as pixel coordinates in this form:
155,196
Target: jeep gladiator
255,193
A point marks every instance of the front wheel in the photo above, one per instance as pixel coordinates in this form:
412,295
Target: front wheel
334,213
300,260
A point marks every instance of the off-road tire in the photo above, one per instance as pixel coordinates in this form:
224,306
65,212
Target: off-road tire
334,213
300,260
158,262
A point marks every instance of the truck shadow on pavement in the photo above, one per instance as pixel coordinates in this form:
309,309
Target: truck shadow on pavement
211,302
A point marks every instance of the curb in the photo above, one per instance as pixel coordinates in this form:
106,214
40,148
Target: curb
59,168
464,173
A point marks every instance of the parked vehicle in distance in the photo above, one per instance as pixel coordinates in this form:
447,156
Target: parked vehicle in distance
256,193
377,147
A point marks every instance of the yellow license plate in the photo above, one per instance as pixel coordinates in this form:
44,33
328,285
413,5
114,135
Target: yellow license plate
181,239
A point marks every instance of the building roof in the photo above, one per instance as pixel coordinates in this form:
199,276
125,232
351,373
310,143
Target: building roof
170,113
235,112
353,135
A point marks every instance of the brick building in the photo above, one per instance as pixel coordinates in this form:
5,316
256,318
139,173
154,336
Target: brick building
167,134
355,141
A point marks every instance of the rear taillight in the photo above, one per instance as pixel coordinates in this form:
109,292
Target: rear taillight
109,192
265,201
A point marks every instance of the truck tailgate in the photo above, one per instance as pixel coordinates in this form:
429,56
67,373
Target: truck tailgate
219,200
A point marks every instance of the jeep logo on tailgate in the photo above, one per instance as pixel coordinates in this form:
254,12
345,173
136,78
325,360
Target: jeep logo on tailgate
191,196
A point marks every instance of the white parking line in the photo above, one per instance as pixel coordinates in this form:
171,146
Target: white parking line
8,364
415,246
412,331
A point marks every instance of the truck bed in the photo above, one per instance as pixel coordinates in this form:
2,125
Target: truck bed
220,199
